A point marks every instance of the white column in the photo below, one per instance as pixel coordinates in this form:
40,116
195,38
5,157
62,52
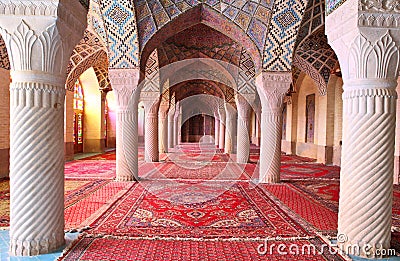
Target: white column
176,124
243,129
163,128
216,129
230,131
369,58
151,106
38,47
272,88
125,82
222,118
171,115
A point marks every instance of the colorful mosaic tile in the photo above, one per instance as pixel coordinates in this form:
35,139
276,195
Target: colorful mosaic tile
120,22
282,34
332,5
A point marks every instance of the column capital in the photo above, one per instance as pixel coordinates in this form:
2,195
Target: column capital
368,39
272,88
125,84
37,33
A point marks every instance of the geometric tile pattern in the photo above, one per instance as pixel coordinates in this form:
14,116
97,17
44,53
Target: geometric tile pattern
295,76
282,33
102,78
122,35
84,3
4,60
251,16
197,87
96,22
332,5
315,52
200,41
312,72
90,52
152,74
313,20
247,73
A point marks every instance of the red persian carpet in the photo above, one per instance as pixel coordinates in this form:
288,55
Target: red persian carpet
95,169
311,210
294,171
199,171
125,249
193,210
81,213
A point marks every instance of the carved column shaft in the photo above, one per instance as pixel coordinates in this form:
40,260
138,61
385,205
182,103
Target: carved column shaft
222,118
216,129
125,83
177,126
163,129
243,130
367,45
272,88
230,131
151,130
39,54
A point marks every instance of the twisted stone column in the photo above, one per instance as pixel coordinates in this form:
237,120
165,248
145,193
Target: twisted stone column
272,88
230,131
39,55
369,59
222,118
151,107
243,129
216,129
177,126
125,82
163,129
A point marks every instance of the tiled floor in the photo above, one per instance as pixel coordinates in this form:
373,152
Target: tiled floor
4,244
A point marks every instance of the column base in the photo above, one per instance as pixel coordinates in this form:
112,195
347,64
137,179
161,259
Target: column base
36,247
126,178
337,155
289,147
69,151
324,154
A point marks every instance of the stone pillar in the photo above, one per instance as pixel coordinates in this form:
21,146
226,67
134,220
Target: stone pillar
171,115
39,48
177,126
272,88
216,128
243,128
125,82
163,128
222,118
258,125
151,107
230,131
369,58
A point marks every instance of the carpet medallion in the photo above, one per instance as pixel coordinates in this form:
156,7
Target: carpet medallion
214,210
95,169
199,171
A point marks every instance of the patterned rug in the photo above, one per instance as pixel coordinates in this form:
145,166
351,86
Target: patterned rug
193,210
124,249
93,169
199,171
83,212
295,171
83,198
316,214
